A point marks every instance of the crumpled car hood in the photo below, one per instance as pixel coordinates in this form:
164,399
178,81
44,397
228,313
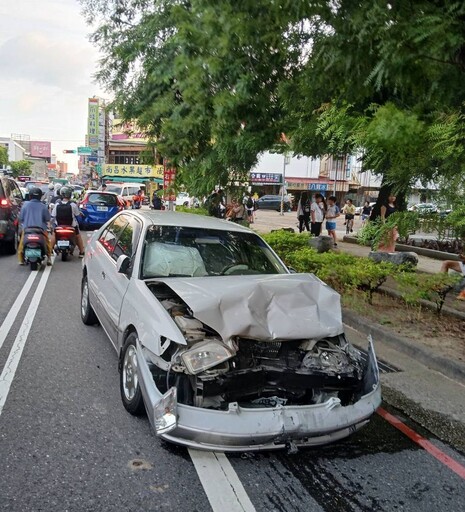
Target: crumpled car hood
271,307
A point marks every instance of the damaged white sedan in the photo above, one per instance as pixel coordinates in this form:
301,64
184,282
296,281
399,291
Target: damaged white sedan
218,342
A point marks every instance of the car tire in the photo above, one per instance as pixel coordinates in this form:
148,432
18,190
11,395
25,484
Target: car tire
130,390
88,315
12,245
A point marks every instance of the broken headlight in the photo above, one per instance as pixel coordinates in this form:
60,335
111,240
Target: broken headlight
204,355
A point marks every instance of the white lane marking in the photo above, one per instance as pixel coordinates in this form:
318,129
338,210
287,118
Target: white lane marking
220,482
14,310
11,365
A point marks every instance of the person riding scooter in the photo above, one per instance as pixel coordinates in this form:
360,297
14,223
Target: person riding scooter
66,213
34,213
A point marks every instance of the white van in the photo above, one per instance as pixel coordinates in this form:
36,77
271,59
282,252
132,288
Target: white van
126,190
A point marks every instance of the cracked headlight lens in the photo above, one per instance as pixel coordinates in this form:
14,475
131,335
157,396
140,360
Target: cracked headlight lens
204,355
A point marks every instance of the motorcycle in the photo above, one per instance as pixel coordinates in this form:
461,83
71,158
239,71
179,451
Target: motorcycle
35,247
64,241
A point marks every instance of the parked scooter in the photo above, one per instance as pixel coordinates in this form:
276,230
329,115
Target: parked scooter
64,241
35,248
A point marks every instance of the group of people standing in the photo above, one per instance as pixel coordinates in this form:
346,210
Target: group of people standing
312,214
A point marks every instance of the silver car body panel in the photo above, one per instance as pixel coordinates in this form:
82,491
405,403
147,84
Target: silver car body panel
266,308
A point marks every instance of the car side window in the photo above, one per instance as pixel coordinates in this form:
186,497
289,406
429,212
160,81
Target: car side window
109,237
127,242
15,191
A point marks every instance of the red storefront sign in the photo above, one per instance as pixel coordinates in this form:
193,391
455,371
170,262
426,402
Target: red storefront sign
169,175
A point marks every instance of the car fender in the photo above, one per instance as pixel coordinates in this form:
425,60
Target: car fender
153,324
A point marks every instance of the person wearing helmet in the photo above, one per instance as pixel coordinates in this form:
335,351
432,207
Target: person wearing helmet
34,213
49,194
56,196
66,213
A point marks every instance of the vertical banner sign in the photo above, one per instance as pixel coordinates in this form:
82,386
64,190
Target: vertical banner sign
169,175
93,123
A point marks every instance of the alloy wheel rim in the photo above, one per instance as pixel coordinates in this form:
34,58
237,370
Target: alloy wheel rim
84,298
130,380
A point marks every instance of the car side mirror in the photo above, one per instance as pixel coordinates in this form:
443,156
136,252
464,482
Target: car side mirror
26,196
122,264
292,270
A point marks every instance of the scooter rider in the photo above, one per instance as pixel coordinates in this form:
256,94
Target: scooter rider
65,213
34,213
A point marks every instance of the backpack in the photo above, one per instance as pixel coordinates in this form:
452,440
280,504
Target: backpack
64,214
249,203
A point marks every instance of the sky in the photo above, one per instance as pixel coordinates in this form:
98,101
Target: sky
46,73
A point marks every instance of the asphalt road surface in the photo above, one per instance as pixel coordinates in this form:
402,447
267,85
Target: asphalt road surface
67,443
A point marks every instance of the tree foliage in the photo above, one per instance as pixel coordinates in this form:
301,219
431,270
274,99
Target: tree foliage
3,156
21,168
215,82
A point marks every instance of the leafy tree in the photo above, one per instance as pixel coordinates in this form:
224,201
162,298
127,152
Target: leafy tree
3,156
215,82
21,168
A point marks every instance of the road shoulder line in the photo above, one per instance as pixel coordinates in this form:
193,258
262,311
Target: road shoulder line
15,308
11,365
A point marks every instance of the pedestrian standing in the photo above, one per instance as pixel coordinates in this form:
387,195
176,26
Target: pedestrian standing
366,212
332,213
317,215
388,243
303,212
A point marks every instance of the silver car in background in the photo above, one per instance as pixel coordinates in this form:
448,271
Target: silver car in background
218,342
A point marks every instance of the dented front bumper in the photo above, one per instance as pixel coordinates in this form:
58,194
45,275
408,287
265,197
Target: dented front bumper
247,429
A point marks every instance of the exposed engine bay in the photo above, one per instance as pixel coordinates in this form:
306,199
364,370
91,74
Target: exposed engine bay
211,372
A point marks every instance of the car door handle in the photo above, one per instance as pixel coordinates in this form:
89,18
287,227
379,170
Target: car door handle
103,275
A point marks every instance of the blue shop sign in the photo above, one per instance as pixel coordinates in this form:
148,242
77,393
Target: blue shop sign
321,187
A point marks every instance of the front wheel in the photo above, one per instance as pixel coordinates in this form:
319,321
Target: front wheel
88,315
131,394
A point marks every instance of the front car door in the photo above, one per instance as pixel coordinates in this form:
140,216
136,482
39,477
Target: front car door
120,238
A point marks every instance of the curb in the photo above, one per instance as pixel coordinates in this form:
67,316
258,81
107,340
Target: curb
422,251
424,355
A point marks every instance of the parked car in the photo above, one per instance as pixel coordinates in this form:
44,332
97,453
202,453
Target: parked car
423,208
97,207
272,202
11,200
218,342
184,199
125,190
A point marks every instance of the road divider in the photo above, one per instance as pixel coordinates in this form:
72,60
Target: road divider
11,365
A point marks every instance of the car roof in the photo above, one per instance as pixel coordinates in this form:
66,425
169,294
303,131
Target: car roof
167,218
107,192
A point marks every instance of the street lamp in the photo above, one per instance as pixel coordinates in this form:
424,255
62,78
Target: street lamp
287,160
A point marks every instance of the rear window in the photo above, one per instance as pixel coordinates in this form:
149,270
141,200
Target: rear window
102,199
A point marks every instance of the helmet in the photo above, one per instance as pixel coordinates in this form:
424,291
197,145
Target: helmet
51,186
66,192
35,193
57,186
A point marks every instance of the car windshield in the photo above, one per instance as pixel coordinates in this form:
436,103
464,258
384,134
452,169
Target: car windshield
114,188
102,199
195,252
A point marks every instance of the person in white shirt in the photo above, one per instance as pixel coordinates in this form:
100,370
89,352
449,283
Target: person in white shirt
317,215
